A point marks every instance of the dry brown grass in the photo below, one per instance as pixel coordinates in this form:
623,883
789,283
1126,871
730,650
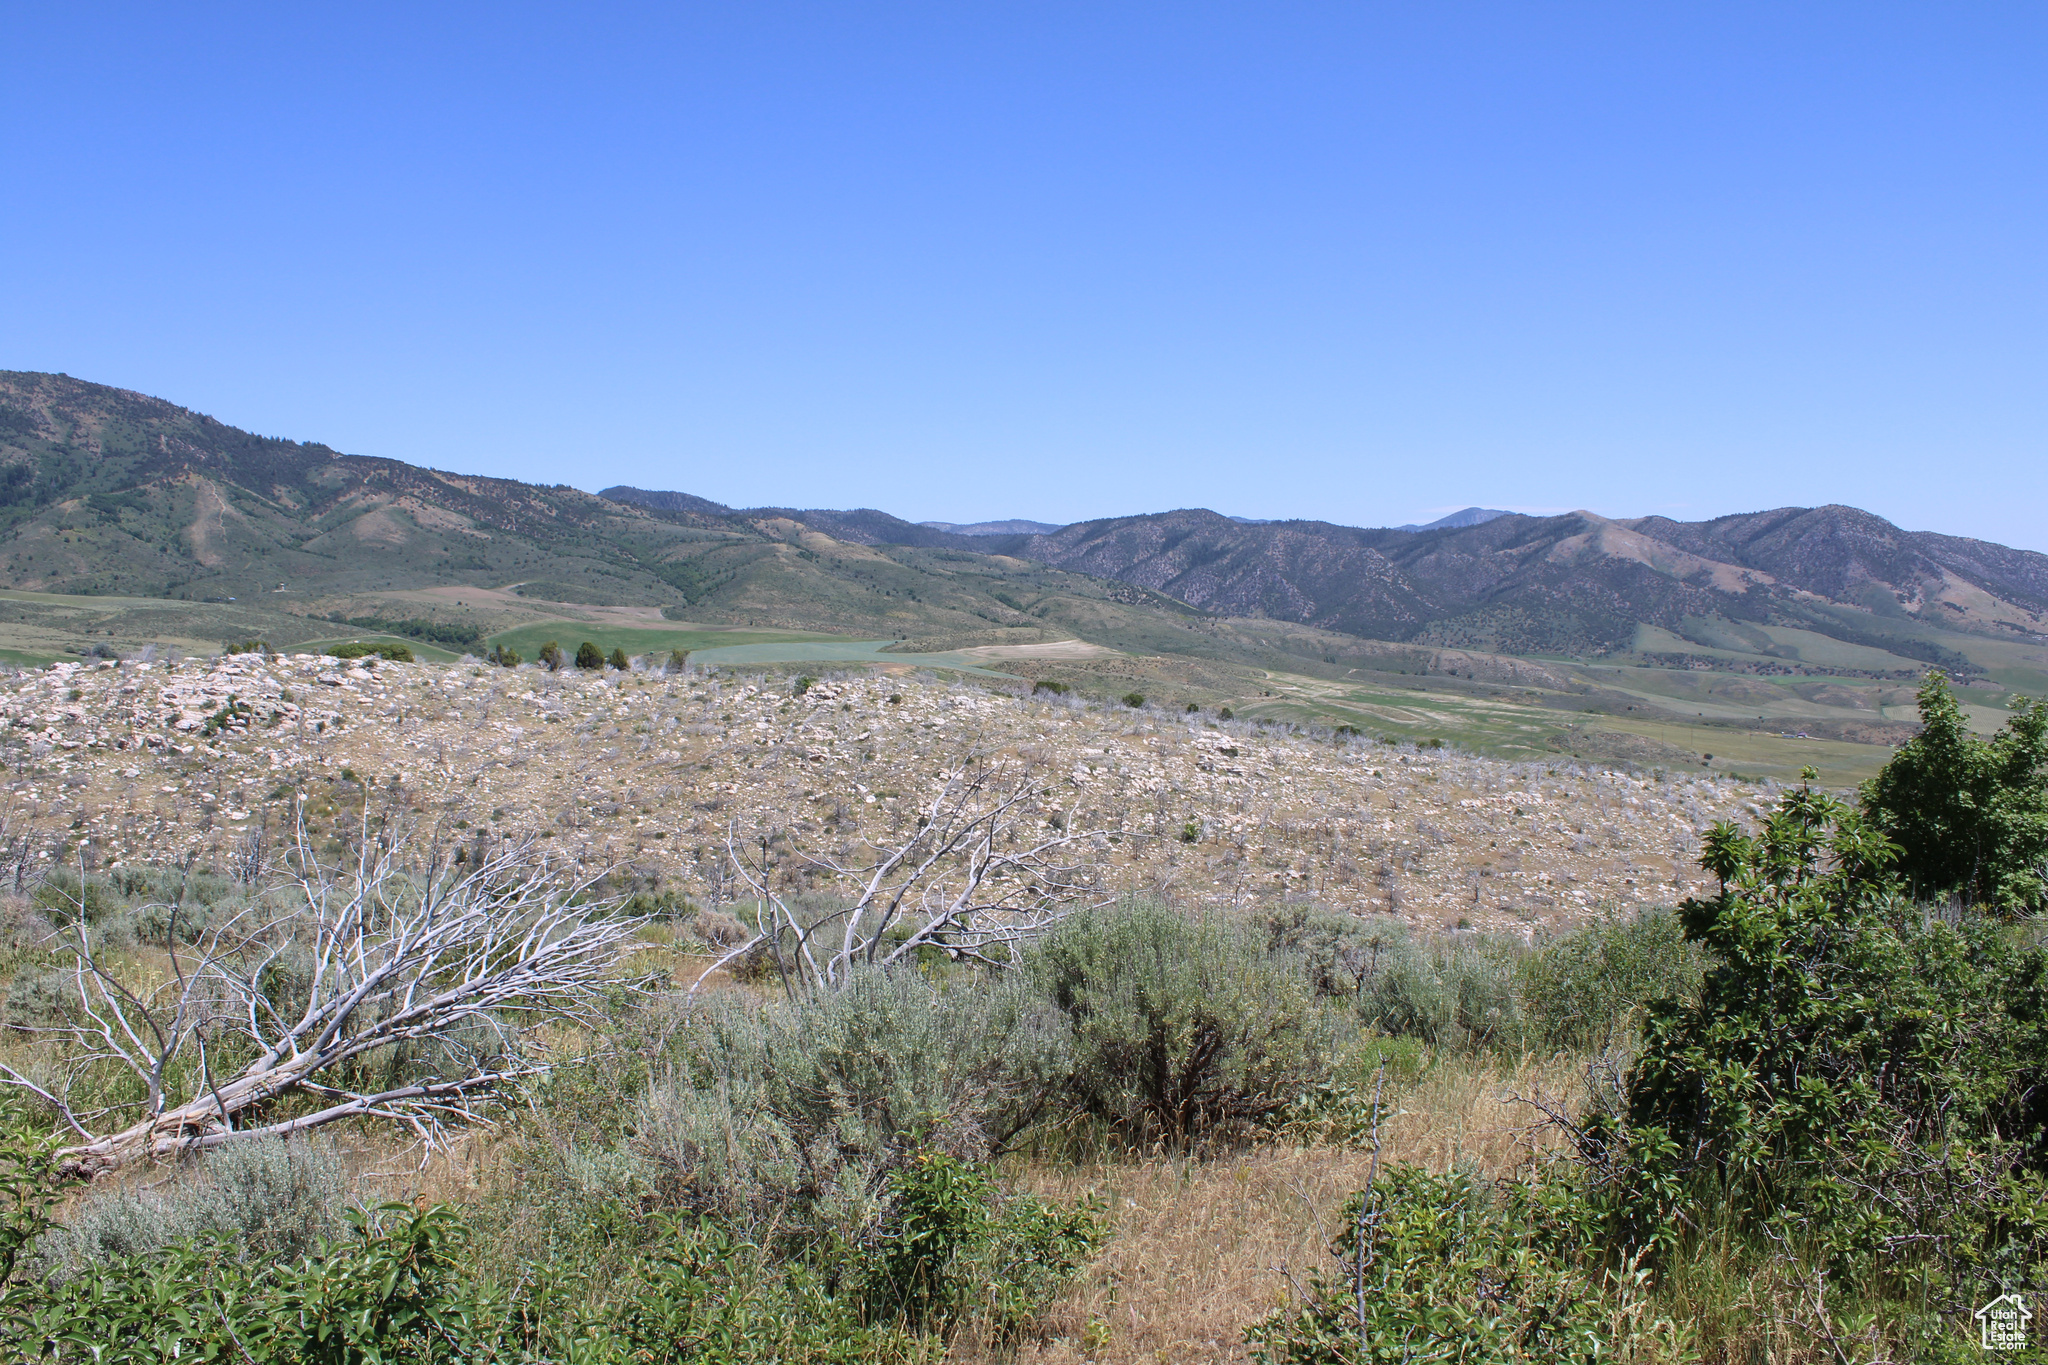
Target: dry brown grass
1198,1246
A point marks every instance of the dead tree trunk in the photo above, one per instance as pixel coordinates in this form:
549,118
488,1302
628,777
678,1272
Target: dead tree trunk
467,957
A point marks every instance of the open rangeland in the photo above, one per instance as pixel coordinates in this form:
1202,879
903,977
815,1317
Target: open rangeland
205,760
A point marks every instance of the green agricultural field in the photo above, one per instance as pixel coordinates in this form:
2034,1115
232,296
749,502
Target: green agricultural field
1505,725
1526,723
37,628
1758,753
635,640
876,652
1741,640
734,648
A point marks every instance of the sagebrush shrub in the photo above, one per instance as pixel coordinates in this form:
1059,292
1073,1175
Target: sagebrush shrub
1455,992
797,1108
265,1198
1588,988
1184,1030
1339,952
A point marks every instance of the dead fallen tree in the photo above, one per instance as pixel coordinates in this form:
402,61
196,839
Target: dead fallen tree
985,872
268,1022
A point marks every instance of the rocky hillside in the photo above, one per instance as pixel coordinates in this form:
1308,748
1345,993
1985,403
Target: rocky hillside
216,760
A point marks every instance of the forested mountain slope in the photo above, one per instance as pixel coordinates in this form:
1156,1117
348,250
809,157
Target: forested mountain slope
106,491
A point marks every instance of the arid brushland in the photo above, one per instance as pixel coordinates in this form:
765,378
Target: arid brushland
650,772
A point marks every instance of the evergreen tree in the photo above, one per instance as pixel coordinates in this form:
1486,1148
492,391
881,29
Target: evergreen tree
589,655
619,660
551,655
1969,814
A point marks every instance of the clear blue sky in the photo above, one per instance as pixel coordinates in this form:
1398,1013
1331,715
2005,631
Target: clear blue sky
1360,262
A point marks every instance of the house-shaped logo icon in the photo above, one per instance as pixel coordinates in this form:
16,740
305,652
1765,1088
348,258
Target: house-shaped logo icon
2002,1323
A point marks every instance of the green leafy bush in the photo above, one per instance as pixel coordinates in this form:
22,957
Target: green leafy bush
402,1287
707,1295
550,656
1134,699
1859,1082
27,1190
1970,815
589,656
956,1251
392,1292
1444,1268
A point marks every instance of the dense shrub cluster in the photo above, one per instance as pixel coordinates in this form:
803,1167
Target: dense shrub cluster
1859,1078
263,1199
794,1115
396,1283
401,1287
1467,991
419,628
386,649
1856,1095
1448,1268
1183,1031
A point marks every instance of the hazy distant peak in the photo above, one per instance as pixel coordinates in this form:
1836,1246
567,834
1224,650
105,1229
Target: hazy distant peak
1016,526
1471,516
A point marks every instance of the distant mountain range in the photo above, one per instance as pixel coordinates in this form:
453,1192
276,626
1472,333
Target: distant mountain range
108,491
1013,527
1471,516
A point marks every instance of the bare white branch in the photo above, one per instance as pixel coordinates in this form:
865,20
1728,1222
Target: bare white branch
982,874
377,955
